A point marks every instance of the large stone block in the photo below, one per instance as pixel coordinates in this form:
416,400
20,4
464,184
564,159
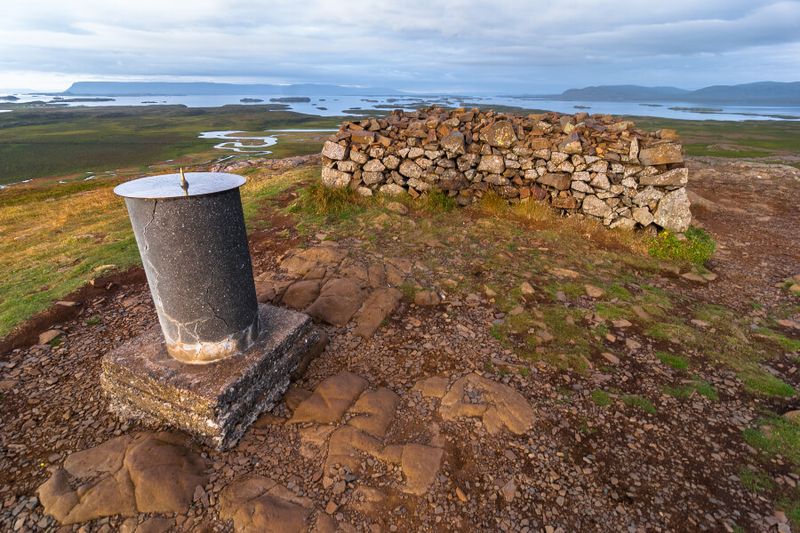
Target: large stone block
218,401
560,181
677,177
661,154
673,211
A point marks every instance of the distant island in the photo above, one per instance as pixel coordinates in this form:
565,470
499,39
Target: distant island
59,99
147,88
10,98
759,93
250,100
291,99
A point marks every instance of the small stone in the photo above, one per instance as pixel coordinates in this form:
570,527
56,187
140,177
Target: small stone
397,207
509,491
632,345
693,276
611,358
427,298
526,288
49,336
594,292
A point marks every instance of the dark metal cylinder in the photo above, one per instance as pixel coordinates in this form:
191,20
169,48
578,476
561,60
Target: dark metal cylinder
193,245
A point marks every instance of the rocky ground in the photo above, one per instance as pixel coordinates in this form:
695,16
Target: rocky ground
484,373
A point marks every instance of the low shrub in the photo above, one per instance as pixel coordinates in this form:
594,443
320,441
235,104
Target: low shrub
696,248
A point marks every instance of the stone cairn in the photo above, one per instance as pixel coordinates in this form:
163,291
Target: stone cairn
592,165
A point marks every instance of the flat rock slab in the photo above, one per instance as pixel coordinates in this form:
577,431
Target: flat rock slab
378,305
330,399
257,504
217,401
138,473
338,302
501,406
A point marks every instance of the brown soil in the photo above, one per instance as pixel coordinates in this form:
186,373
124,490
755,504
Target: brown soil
582,467
751,210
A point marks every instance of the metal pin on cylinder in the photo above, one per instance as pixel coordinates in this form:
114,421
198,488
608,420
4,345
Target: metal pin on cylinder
191,236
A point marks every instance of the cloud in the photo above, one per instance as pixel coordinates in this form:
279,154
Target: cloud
511,45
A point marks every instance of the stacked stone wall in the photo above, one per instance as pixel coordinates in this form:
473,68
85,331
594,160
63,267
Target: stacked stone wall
590,165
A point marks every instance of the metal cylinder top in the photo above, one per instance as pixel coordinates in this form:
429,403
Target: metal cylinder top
169,185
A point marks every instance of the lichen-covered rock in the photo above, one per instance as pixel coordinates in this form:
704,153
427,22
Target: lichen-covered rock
592,205
673,211
661,154
677,177
453,143
410,169
500,134
333,150
493,164
335,179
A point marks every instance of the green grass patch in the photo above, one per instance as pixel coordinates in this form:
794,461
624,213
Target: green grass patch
601,398
93,320
697,248
758,381
668,331
618,291
756,480
703,388
676,362
435,201
613,311
790,345
639,402
776,436
318,200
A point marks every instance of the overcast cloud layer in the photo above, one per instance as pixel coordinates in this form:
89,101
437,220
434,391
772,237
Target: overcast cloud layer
421,45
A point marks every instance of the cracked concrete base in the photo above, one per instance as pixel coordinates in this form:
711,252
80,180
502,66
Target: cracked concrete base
216,402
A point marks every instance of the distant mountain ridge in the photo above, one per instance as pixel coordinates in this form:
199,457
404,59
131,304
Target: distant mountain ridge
147,88
759,93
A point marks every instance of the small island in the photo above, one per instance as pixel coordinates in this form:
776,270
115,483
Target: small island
9,98
291,99
250,100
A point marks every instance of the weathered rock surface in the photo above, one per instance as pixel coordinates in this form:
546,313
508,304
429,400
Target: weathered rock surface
338,302
375,309
673,211
330,399
661,154
258,504
138,473
502,407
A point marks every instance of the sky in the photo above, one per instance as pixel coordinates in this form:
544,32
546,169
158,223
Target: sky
500,47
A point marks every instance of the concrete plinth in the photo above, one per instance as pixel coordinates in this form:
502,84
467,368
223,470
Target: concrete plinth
217,401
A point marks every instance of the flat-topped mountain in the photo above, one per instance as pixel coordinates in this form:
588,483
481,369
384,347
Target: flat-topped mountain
759,93
147,88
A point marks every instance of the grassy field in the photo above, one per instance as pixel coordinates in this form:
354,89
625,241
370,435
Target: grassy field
777,140
57,236
57,142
